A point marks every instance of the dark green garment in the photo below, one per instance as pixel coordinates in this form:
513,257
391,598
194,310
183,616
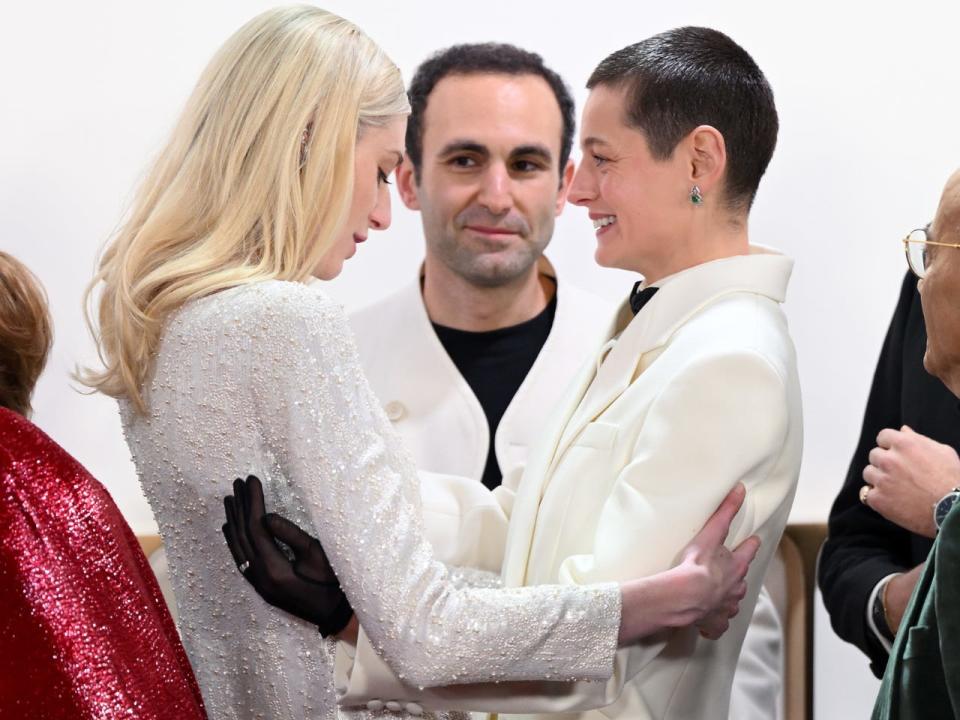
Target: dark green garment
922,680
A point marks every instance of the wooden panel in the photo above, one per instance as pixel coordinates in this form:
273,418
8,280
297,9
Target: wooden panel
149,543
801,547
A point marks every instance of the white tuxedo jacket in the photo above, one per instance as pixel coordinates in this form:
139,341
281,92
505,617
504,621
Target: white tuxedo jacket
696,393
432,406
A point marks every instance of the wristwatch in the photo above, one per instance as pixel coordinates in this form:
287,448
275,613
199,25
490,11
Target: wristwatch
944,506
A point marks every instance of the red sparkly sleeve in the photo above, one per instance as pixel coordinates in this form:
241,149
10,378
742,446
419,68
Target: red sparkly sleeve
83,626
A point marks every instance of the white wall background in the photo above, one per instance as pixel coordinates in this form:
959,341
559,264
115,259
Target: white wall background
868,107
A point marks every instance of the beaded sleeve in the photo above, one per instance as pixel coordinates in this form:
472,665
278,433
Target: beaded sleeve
336,449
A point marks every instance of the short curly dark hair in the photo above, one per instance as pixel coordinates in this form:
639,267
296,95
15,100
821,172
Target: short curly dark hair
482,59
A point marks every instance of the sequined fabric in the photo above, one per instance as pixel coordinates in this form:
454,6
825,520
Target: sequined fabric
265,379
84,632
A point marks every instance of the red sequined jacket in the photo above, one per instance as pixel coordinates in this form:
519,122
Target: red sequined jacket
84,632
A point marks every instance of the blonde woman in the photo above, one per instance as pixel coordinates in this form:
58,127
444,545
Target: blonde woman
225,361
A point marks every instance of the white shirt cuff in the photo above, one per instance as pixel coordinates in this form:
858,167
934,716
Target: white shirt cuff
878,588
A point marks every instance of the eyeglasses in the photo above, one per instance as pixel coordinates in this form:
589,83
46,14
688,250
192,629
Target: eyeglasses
919,250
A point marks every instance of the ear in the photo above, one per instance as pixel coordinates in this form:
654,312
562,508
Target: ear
707,156
565,179
407,184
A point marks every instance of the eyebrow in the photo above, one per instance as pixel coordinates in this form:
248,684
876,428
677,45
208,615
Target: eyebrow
592,140
455,146
471,146
541,151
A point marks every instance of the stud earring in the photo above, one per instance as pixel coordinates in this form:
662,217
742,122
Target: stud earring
696,197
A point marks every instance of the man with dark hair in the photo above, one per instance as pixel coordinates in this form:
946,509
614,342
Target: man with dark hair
643,447
470,357
694,390
482,59
469,292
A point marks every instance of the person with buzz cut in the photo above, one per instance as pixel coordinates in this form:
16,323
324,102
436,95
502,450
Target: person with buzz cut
692,393
471,357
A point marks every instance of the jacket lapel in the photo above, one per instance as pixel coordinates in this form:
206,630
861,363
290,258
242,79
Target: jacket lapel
611,372
601,382
526,504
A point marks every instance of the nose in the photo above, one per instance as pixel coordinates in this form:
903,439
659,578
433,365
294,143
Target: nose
583,189
381,216
495,190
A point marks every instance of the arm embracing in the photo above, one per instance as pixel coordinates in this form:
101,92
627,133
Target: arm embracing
359,489
685,458
721,421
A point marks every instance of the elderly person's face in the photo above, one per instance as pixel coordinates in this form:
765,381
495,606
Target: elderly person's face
940,291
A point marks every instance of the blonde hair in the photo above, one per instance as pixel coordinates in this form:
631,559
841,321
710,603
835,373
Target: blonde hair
254,184
26,333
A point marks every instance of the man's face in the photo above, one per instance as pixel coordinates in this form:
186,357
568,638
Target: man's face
940,291
637,203
490,186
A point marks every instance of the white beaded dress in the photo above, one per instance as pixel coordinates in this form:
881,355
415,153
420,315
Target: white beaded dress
265,379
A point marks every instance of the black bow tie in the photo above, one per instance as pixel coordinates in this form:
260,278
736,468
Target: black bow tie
639,298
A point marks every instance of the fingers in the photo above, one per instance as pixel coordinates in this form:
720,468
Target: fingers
254,498
714,532
229,534
872,475
746,551
887,438
235,505
878,457
253,504
714,626
288,533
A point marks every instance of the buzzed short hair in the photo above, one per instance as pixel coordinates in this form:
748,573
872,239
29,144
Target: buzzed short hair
694,76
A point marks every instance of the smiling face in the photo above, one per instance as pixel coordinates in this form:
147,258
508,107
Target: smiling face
490,186
940,291
378,152
638,205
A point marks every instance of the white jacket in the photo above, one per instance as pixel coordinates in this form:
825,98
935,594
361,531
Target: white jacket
432,406
443,424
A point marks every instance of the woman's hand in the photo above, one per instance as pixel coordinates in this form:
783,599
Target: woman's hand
720,576
908,473
705,589
304,585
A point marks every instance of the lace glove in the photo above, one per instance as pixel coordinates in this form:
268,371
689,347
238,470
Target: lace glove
305,586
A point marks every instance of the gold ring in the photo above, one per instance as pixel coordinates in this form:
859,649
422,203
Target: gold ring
864,491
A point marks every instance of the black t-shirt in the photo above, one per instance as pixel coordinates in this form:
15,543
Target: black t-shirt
494,364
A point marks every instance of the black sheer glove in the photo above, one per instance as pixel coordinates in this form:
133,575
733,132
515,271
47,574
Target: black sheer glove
305,586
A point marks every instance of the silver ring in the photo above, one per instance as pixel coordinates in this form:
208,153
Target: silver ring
242,567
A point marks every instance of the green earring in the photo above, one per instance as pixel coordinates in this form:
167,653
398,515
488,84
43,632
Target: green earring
696,197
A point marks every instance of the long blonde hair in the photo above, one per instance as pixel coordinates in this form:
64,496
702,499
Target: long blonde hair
254,183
